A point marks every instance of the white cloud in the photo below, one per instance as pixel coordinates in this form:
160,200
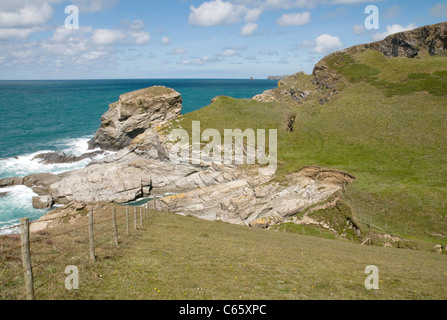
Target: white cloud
358,29
137,25
249,28
327,43
439,10
253,15
216,12
178,51
289,4
27,16
294,19
201,61
107,36
141,37
165,41
94,5
229,53
17,33
392,29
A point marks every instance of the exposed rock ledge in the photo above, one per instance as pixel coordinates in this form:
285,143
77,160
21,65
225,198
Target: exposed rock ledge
141,168
320,85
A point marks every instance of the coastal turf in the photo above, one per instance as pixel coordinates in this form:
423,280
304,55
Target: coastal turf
181,257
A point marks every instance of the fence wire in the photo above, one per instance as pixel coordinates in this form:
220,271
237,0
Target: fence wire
41,243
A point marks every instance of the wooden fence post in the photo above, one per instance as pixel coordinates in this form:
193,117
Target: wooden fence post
127,220
26,258
115,227
135,218
141,216
92,239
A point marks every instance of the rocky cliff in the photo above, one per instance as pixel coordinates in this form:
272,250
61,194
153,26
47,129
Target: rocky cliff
133,114
320,85
409,44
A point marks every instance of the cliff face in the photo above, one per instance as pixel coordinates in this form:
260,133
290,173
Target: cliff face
409,44
321,84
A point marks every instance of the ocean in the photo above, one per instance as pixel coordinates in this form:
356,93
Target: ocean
45,116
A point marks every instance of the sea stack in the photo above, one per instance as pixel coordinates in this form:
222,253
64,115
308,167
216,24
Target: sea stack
133,114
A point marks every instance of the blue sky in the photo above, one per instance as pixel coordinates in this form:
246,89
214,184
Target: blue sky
191,38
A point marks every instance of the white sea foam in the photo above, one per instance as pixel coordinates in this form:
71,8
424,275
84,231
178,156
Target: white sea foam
16,204
18,201
26,164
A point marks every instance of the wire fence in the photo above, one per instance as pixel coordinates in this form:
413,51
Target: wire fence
30,261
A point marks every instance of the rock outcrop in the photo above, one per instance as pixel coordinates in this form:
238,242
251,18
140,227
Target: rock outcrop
258,201
432,39
44,202
61,157
133,114
321,84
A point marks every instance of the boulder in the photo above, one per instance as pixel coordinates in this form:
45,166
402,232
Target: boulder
43,202
133,114
9,182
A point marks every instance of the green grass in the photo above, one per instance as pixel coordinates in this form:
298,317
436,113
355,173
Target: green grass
176,257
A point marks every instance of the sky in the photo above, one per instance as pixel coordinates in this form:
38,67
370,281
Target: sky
233,39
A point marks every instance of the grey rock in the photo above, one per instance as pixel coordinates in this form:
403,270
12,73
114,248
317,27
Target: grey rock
9,182
44,202
258,201
130,176
61,157
40,179
431,38
133,114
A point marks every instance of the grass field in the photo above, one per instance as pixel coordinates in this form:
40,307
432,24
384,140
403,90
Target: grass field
177,257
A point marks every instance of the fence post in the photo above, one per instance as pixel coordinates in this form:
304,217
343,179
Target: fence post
141,216
115,227
91,237
135,218
127,220
26,258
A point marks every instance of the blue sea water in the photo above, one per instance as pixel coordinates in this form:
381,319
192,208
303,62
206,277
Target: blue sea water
43,116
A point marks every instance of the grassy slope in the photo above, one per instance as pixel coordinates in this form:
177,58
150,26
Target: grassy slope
391,138
175,257
387,126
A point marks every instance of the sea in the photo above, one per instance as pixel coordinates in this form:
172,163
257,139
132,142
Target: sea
63,115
